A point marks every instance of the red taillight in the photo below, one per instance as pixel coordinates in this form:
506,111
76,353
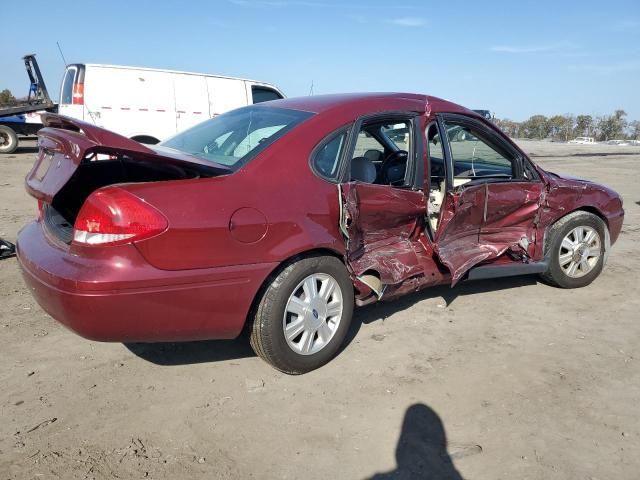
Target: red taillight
112,215
78,94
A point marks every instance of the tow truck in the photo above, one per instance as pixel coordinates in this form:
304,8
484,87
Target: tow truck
22,117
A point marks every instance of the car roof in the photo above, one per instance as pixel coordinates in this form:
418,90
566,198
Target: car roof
363,103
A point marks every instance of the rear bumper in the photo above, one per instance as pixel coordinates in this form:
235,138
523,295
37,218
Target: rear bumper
113,294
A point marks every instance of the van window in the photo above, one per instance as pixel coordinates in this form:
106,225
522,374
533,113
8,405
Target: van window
66,96
264,94
233,138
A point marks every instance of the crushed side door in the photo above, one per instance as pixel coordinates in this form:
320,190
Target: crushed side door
380,225
456,241
480,223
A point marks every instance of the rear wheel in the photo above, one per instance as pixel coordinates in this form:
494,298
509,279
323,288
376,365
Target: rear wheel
8,140
575,249
303,315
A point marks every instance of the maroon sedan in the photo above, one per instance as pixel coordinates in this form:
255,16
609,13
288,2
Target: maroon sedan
280,217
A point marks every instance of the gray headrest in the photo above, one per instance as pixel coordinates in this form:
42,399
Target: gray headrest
373,155
363,170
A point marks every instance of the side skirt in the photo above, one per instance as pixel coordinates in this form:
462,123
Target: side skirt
496,271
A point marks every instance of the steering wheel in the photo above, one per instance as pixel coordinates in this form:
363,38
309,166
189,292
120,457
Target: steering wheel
394,168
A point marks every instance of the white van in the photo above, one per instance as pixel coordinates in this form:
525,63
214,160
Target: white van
151,105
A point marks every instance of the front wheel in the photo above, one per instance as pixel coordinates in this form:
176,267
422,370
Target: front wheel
304,315
575,248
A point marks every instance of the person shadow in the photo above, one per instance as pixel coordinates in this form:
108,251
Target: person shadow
421,452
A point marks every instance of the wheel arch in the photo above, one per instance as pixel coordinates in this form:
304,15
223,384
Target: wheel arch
314,252
584,208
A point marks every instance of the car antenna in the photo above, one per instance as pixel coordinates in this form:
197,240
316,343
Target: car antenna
311,89
62,54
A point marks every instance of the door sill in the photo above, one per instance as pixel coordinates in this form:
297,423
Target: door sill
507,270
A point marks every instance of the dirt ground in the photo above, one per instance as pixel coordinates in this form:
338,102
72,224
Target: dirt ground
505,379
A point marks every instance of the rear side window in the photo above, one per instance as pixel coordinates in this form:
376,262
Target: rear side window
264,94
66,95
326,157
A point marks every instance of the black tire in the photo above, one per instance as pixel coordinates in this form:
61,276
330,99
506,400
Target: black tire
266,329
8,140
556,275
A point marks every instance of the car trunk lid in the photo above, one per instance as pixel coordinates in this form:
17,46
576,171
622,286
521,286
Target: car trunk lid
76,158
65,144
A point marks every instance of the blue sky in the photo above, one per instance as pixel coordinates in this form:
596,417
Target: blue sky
515,58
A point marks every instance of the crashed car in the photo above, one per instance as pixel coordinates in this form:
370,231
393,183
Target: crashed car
277,218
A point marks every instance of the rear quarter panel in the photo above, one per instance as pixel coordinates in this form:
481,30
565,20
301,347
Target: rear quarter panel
271,209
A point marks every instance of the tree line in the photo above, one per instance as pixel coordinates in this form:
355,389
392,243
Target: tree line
6,98
566,127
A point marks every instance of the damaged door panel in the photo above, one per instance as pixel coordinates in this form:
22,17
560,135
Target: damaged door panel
456,241
381,225
510,216
482,222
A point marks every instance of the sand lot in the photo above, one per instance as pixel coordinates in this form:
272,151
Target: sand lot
505,379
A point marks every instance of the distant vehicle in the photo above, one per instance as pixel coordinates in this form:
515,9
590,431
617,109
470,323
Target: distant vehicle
620,143
269,217
23,116
583,141
150,105
485,114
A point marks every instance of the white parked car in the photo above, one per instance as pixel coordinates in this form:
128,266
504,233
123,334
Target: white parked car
151,105
620,143
583,141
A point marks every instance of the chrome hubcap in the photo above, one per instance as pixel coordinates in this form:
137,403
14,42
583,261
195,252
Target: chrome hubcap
579,251
313,314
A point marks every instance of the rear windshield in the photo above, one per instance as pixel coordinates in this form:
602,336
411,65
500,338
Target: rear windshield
233,138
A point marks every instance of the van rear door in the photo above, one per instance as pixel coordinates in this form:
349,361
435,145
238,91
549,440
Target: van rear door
192,106
225,94
72,92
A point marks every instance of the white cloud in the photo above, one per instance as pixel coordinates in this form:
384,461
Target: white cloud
608,69
542,48
409,22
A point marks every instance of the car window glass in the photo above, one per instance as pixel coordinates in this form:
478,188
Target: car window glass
368,146
398,134
382,153
67,87
474,157
326,158
263,94
254,138
234,137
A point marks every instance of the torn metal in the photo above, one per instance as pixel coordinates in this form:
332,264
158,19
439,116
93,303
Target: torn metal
7,249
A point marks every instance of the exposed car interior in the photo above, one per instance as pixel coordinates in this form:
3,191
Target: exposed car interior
473,156
437,187
381,153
